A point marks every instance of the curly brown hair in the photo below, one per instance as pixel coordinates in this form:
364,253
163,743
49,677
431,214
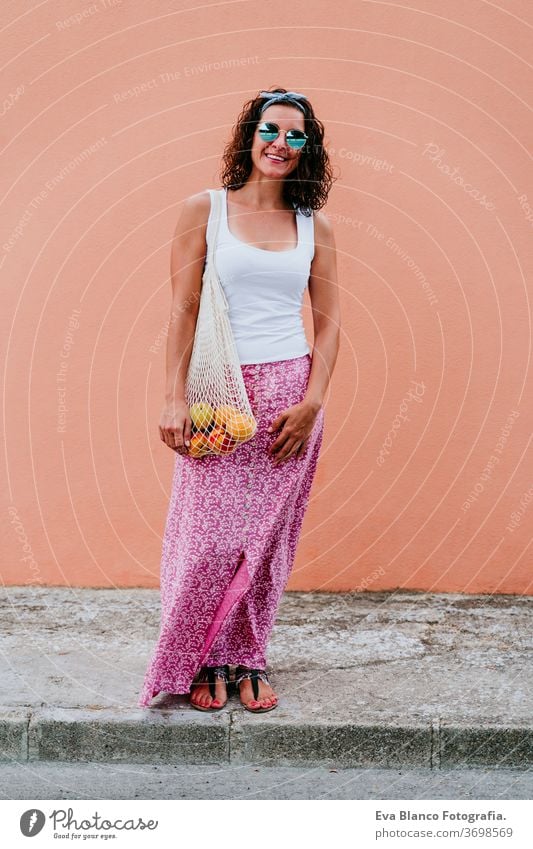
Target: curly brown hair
308,186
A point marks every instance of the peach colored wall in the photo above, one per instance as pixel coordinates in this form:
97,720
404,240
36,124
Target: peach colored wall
114,112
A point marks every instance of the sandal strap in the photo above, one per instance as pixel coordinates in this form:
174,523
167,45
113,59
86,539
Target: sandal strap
255,675
221,672
210,673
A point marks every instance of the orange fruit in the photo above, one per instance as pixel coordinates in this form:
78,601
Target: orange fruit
199,445
221,442
237,424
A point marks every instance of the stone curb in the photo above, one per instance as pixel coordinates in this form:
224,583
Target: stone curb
192,737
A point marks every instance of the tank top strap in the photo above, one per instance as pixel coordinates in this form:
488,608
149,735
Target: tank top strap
223,211
306,225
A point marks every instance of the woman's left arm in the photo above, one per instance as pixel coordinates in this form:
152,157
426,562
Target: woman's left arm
297,422
324,293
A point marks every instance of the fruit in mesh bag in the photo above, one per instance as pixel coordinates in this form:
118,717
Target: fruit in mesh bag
199,444
202,415
221,442
237,424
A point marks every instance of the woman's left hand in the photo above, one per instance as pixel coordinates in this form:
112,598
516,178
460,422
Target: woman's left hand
296,422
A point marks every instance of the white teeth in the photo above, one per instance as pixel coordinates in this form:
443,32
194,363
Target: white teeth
275,158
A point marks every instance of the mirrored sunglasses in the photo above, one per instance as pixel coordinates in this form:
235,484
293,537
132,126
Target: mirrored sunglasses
295,138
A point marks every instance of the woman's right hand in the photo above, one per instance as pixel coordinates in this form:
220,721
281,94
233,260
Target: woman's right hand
175,426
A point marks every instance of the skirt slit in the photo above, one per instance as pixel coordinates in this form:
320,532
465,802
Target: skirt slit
239,585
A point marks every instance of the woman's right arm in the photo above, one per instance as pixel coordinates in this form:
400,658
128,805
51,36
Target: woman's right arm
186,270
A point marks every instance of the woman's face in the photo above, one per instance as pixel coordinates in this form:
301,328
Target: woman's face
287,118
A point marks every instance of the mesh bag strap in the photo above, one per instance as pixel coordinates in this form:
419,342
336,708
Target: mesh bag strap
213,229
220,410
213,226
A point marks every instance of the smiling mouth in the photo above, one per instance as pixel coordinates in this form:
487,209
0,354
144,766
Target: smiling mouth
280,160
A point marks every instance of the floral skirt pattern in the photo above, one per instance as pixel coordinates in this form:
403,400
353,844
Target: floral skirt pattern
230,540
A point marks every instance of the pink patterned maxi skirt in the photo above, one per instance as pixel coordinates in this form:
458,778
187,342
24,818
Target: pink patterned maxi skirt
230,540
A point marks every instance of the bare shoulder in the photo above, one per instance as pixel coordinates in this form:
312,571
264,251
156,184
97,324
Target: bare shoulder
194,214
199,202
324,232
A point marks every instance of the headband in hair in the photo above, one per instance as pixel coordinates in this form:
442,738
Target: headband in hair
282,96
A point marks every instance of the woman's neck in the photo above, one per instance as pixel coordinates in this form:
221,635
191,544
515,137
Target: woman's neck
262,195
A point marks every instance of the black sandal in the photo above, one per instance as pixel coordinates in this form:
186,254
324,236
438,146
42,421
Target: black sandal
209,674
241,673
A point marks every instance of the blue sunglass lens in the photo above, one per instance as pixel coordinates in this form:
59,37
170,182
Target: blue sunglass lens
295,138
268,132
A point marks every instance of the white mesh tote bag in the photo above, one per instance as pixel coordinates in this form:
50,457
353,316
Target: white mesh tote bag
220,411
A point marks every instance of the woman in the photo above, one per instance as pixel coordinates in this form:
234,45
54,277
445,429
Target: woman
234,520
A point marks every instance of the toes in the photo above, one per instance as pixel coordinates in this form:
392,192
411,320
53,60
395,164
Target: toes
262,701
202,698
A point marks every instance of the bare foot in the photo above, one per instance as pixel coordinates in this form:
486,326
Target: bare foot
266,696
200,694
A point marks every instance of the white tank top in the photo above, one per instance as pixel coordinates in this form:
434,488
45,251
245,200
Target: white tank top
264,290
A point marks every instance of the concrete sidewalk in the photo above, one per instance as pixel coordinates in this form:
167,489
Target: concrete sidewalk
365,679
